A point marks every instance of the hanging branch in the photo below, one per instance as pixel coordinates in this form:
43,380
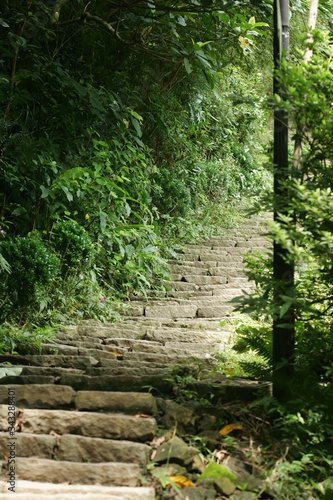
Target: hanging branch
306,58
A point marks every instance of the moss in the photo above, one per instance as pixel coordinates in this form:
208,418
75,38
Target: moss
216,471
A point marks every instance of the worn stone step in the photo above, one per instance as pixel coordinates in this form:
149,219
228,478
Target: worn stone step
188,295
79,362
165,358
107,426
179,335
222,270
30,490
73,448
129,402
180,349
205,280
171,311
54,471
121,383
40,396
181,286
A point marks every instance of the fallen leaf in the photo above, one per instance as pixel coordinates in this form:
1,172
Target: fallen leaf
117,353
181,481
229,428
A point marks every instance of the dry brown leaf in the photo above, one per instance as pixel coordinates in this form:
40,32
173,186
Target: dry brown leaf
117,353
229,428
181,481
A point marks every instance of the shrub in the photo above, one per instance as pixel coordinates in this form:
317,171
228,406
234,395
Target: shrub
32,268
73,244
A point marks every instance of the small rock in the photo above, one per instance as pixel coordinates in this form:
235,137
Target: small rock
207,422
196,494
169,470
175,450
212,439
224,486
244,495
249,482
185,418
236,465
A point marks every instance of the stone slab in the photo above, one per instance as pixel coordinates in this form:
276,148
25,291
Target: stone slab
27,445
90,492
101,425
129,402
54,471
80,362
40,396
83,449
167,311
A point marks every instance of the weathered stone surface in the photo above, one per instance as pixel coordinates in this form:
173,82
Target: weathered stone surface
116,383
249,482
205,280
80,449
196,494
80,362
107,426
214,311
169,470
179,336
27,379
27,445
175,450
66,350
224,486
90,492
54,471
180,416
40,396
129,402
167,311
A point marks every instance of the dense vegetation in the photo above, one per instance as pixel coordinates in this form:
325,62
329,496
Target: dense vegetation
118,124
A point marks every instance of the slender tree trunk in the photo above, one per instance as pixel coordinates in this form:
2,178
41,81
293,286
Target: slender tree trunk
283,327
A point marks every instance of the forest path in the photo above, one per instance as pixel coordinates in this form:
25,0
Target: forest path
84,417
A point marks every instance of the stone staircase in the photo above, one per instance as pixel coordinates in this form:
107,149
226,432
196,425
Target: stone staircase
84,418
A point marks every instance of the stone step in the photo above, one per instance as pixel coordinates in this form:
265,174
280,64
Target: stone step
224,251
179,335
107,426
59,361
171,311
29,490
61,396
179,349
215,271
73,448
188,295
54,471
40,396
166,359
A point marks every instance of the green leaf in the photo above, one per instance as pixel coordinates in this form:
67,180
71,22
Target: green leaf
11,371
188,66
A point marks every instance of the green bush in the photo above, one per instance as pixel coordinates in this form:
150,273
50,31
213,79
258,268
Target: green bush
33,268
73,244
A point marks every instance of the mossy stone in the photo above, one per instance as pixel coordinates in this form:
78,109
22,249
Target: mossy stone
216,471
